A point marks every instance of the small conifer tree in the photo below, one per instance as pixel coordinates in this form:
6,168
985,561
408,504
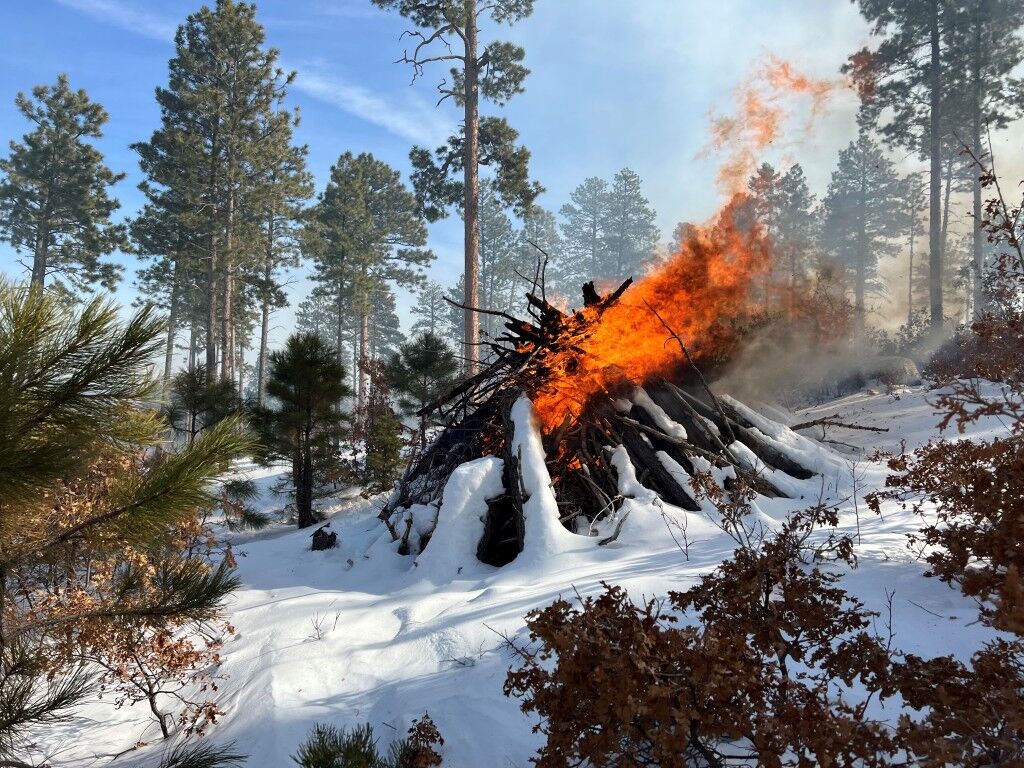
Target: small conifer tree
302,421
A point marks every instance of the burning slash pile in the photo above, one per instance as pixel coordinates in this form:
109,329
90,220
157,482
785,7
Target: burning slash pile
585,410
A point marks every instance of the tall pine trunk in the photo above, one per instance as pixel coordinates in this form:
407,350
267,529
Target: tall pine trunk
227,325
977,240
910,276
947,194
193,344
211,306
172,327
861,274
935,172
364,358
472,190
40,256
261,361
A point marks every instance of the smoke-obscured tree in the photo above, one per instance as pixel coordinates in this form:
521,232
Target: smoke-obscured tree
583,220
199,402
498,260
862,215
430,308
765,202
55,200
223,142
285,185
985,47
316,314
911,80
448,32
302,420
630,232
82,394
540,245
385,326
422,370
366,233
913,204
797,227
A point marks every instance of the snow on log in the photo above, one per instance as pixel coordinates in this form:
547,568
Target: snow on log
544,533
453,543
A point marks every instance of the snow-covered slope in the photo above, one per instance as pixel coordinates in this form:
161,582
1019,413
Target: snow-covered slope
360,634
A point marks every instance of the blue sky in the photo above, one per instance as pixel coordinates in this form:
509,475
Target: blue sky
614,83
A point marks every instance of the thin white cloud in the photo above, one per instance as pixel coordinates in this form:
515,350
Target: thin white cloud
418,122
412,120
122,15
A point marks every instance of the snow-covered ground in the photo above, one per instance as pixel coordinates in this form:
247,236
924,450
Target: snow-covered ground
360,634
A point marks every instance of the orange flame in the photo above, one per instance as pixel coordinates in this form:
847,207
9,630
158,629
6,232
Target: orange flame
762,111
695,292
700,289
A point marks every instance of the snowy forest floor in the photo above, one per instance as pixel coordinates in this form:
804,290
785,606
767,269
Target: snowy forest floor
359,634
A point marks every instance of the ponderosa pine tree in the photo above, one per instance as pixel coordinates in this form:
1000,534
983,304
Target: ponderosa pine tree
78,390
365,233
448,31
766,203
420,372
172,275
286,184
430,308
862,215
583,221
223,145
630,232
498,260
55,200
797,227
199,401
539,241
984,49
912,78
302,420
913,204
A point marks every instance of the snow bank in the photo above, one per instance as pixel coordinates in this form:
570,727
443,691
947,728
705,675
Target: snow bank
453,544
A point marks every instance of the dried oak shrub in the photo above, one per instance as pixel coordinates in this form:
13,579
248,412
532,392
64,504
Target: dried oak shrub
756,664
969,495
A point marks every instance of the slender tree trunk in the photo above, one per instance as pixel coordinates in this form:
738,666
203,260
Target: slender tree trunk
472,190
364,357
192,345
304,486
339,328
213,264
948,192
211,307
861,278
977,239
935,171
227,325
172,327
261,363
40,256
268,269
910,277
